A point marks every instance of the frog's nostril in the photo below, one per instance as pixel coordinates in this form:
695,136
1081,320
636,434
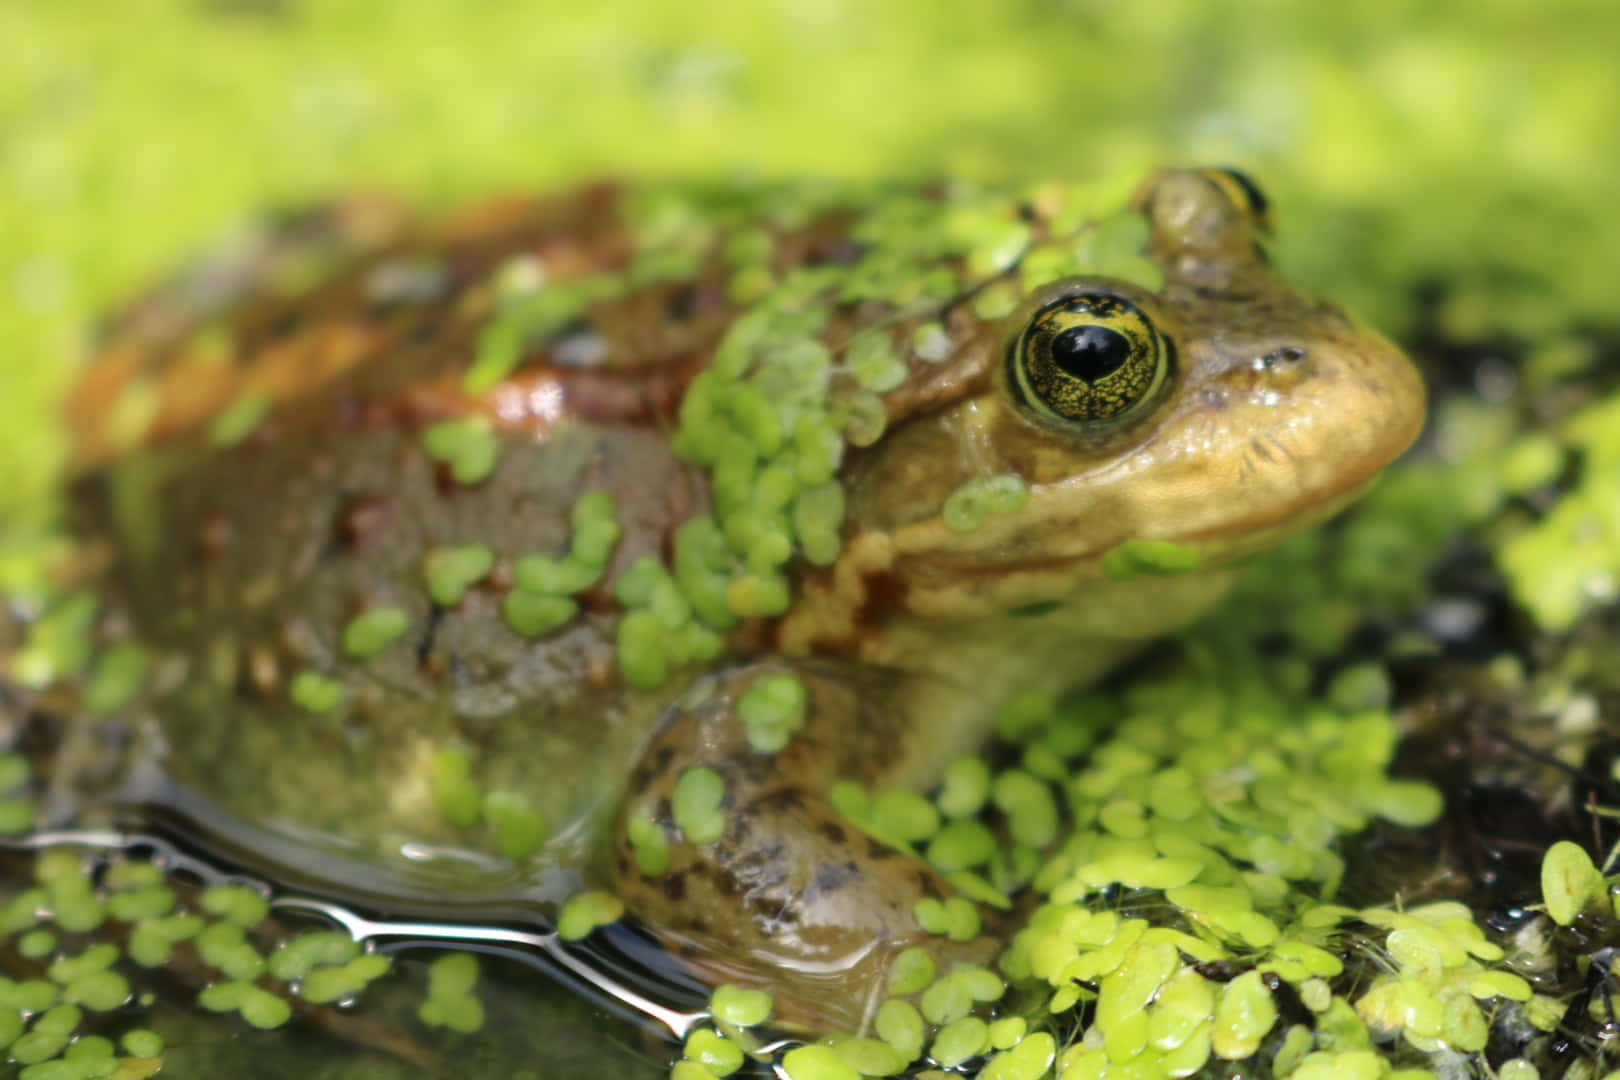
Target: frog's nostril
1276,358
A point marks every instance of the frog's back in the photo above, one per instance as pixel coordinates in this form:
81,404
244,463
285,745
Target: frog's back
282,489
299,434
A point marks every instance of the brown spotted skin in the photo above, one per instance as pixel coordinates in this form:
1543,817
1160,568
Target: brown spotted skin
238,566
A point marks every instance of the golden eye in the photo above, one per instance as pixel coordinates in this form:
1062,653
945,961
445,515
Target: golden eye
1091,359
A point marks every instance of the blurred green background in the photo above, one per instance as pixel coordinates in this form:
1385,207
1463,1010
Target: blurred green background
1469,142
1464,153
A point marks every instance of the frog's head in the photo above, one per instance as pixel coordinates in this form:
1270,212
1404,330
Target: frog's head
1219,414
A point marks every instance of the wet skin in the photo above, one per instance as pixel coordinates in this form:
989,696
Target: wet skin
1218,411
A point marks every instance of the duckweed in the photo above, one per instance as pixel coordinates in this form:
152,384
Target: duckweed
520,831
458,798
771,710
140,1042
95,958
469,446
297,957
58,645
259,1008
152,940
959,845
537,614
98,991
903,816
697,805
223,945
1032,813
816,1063
912,970
710,1049
931,915
1029,1060
870,1057
959,1040
328,984
966,508
451,571
996,301
1137,558
740,1007
584,912
953,994
72,899
80,1068
37,944
315,693
373,630
51,1032
964,787
945,1001
450,1001
1569,881
595,532
1244,1014
899,1024
650,845
241,905
641,644
874,363
125,875
116,678
691,1070
30,996
1008,1032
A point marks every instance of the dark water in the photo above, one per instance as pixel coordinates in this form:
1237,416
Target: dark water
611,1006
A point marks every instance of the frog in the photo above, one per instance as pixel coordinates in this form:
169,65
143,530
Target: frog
646,517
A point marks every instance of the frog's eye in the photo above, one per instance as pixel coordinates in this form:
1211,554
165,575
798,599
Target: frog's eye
1091,359
1244,194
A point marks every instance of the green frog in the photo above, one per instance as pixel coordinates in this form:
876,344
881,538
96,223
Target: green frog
596,541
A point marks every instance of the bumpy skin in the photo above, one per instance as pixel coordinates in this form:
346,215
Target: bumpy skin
239,565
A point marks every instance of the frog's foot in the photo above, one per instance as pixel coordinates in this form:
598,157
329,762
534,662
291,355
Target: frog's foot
772,888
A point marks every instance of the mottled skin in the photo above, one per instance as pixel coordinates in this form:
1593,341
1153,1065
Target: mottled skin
239,566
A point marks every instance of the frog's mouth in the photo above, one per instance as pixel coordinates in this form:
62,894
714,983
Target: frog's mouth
1019,582
1040,558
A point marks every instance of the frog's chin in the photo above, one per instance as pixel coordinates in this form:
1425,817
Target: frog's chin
1260,534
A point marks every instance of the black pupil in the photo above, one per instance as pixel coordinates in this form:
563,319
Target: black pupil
1090,353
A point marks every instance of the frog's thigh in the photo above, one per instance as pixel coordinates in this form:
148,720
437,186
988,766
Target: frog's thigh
791,897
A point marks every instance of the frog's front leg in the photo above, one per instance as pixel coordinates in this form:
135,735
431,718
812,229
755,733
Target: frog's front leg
774,888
